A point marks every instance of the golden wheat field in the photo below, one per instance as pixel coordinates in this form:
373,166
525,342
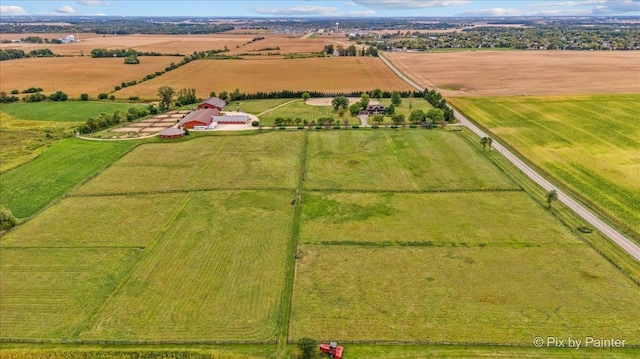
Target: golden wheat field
329,74
165,44
288,44
76,75
504,73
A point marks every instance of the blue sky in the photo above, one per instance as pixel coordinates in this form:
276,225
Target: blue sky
358,8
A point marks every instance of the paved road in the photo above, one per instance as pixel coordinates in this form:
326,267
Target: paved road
614,235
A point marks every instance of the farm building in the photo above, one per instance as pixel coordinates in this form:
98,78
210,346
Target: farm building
171,132
236,119
213,103
199,118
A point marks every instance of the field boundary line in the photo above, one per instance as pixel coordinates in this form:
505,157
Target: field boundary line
88,323
418,191
287,291
277,107
136,342
151,193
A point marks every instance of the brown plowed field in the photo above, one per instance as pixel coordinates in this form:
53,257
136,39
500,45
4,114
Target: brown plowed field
329,74
76,75
503,73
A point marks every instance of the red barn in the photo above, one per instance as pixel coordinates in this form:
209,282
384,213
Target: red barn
213,103
199,118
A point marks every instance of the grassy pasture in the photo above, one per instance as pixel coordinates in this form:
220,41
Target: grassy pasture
217,274
28,188
491,294
212,162
97,222
51,292
438,219
398,160
306,112
19,147
77,75
67,111
591,144
257,106
329,74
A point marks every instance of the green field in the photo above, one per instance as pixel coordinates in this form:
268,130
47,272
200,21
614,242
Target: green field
394,235
67,111
307,113
256,106
432,219
591,144
398,160
469,294
28,188
212,162
216,274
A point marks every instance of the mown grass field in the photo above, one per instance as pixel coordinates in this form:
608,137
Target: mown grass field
382,160
328,74
256,106
28,188
212,162
591,144
306,113
67,111
431,219
217,273
52,292
493,294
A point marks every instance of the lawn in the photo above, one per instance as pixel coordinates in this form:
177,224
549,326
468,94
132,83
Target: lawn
97,222
493,294
399,160
431,219
52,292
217,274
257,106
406,107
67,111
306,113
591,144
28,188
214,162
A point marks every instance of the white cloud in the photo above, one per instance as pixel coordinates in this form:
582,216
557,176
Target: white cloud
618,7
361,13
91,2
11,10
302,10
68,10
410,4
496,11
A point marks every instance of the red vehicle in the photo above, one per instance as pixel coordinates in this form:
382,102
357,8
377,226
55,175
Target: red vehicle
332,349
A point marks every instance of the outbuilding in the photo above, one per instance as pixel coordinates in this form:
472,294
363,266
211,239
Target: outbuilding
234,119
171,132
200,118
213,103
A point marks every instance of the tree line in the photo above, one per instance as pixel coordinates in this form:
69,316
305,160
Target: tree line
11,54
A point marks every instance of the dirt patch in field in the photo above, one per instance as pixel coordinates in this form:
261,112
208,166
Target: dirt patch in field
503,73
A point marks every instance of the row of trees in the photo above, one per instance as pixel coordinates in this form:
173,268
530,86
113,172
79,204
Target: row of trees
185,96
11,54
350,50
105,120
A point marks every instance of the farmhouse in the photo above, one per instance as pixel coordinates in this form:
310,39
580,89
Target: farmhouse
374,110
212,103
171,132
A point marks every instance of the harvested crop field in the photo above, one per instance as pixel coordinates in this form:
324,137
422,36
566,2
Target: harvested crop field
164,44
503,73
329,74
76,75
287,44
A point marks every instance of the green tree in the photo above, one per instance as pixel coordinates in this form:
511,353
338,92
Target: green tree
484,141
355,108
395,98
166,95
376,93
417,116
7,220
391,110
551,196
339,101
397,119
212,94
378,119
223,95
364,100
187,96
436,115
84,97
307,346
306,96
